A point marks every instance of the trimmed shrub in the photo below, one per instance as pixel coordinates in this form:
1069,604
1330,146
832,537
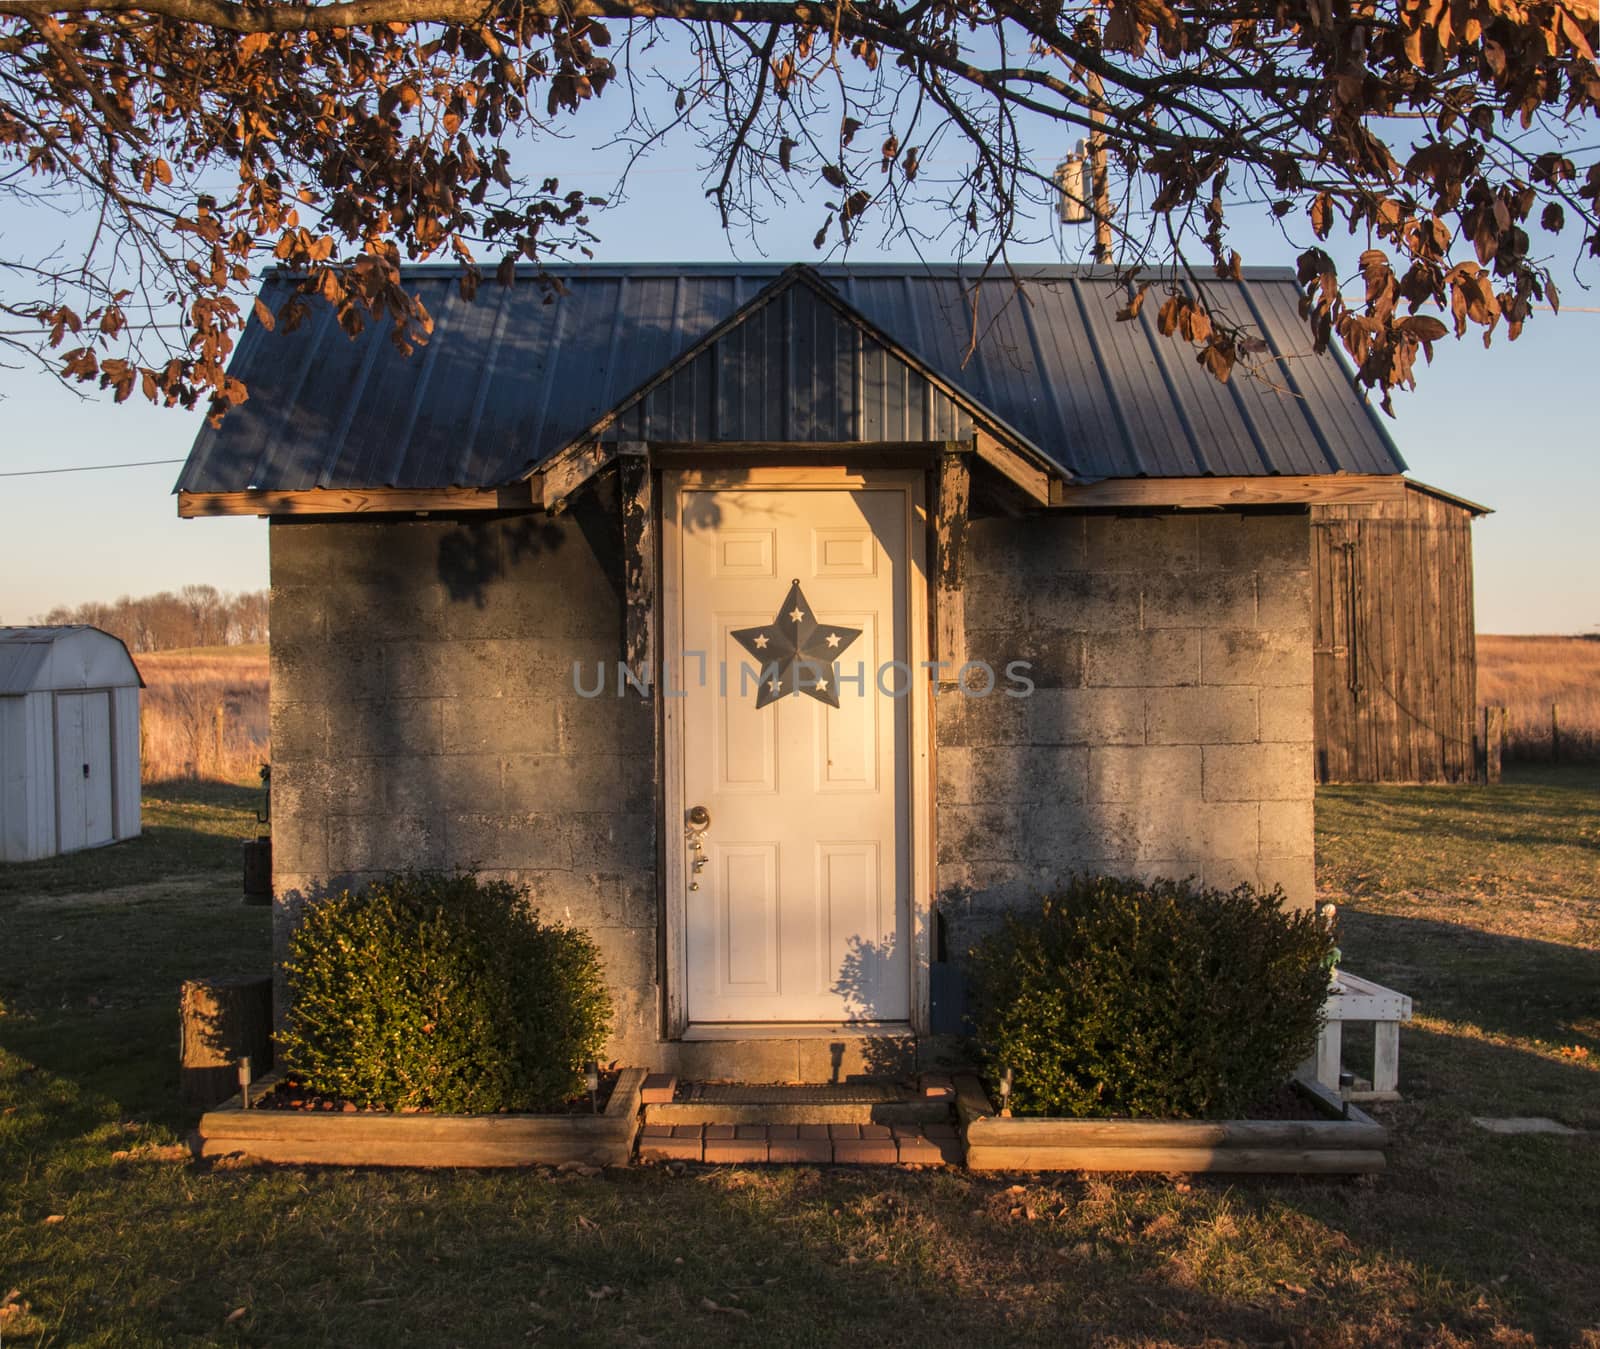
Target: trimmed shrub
441,992
1161,1000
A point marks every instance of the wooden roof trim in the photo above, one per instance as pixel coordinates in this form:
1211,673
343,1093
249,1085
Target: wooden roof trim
1220,493
359,501
1427,489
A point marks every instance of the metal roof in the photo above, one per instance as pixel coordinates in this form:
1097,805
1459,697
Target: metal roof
510,379
68,656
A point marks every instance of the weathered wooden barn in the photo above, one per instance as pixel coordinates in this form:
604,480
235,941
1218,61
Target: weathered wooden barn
69,741
1396,655
756,621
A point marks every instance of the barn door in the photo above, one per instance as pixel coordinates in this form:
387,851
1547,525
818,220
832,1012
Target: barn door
83,770
795,783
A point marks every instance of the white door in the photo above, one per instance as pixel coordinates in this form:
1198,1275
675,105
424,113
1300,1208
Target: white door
83,770
792,604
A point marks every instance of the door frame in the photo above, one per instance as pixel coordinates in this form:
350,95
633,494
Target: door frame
912,485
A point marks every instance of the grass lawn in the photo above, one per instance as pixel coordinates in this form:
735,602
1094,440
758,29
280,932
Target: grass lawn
1484,905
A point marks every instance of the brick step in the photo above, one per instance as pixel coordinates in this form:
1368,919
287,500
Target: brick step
913,1110
929,1144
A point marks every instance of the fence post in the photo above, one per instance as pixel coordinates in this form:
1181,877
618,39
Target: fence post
1493,731
1555,732
219,719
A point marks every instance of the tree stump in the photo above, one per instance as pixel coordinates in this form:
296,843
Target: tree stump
220,1022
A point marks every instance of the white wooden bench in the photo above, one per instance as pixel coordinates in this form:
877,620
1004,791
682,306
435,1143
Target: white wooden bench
1352,998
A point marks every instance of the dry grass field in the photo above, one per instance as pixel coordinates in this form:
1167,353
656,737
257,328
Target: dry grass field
1526,675
205,713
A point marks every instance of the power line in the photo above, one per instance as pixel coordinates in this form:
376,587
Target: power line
86,468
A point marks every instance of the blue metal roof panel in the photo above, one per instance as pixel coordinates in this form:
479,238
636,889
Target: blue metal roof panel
514,377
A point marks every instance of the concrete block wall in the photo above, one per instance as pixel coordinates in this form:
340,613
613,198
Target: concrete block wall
424,714
1170,730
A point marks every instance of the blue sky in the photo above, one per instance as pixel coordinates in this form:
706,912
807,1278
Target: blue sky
1513,428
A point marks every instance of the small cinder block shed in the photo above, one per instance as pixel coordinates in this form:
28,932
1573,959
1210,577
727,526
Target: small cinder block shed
756,620
69,741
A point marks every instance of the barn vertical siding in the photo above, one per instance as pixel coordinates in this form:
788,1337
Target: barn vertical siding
424,714
1396,669
1170,729
125,755
28,787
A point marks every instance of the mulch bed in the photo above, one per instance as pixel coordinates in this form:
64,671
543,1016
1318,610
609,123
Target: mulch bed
292,1095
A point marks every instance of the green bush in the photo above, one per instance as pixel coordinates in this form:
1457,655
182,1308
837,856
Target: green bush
441,992
1160,1000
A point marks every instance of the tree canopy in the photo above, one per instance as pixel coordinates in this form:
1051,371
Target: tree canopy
1435,149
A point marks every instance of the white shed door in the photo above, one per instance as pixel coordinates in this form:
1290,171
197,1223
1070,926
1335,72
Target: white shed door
83,769
798,912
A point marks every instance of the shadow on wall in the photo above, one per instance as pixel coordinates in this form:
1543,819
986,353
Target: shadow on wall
472,558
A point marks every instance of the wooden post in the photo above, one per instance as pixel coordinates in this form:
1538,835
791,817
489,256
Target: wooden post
1386,1057
1099,176
1494,730
1330,1054
1555,732
638,559
221,1021
217,738
954,491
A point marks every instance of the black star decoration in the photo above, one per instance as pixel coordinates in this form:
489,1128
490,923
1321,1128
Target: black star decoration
796,653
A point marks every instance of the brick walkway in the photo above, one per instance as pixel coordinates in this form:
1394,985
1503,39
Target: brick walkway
842,1144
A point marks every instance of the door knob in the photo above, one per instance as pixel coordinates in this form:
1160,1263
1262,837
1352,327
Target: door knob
699,819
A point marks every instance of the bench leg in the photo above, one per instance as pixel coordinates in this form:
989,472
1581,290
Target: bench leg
1386,1057
1329,1054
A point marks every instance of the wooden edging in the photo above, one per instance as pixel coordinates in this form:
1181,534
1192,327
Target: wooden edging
1338,1145
309,1138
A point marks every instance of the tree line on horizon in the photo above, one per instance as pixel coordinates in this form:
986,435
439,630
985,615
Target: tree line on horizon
193,615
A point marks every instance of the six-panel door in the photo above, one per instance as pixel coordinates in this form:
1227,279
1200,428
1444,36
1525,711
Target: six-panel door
799,912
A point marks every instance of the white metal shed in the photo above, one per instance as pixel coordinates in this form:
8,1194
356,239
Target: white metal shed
69,741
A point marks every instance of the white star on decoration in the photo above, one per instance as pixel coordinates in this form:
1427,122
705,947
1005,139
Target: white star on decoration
833,639
798,614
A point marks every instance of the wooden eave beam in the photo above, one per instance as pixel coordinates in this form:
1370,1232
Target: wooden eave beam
365,501
1221,493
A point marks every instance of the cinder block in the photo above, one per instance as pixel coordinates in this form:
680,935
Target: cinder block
357,612
610,842
1034,545
1198,599
1255,542
1287,713
1233,656
444,669
299,731
383,843
1271,772
1198,829
516,841
504,726
1163,658
1227,873
1288,829
1065,838
997,600
1141,543
1050,659
1100,716
623,725
442,783
1297,876
301,667
979,834
1202,716
296,612
382,727
1084,601
985,887
1143,772
1283,600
